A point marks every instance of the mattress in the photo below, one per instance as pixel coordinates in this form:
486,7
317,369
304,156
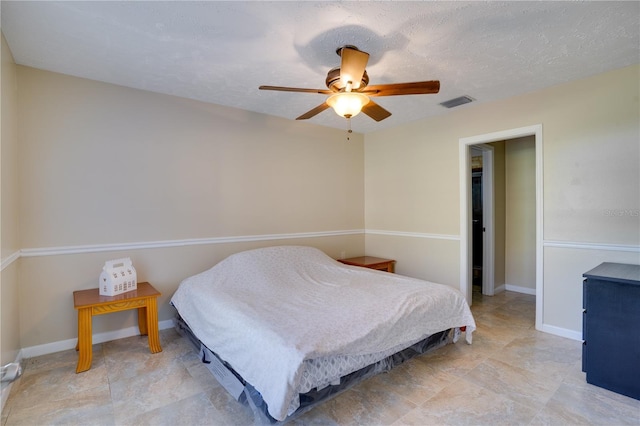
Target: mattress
299,307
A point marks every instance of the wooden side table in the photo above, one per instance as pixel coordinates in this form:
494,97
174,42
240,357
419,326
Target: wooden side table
371,263
90,303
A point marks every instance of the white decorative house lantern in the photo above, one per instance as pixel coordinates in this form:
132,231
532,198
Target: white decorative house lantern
118,276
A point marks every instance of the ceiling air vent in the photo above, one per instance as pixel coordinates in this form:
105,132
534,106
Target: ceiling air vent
457,101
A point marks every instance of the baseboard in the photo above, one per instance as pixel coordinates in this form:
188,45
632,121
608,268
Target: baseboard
519,289
6,390
562,332
515,289
557,331
63,345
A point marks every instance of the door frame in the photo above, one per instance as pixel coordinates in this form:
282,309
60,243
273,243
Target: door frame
488,219
465,208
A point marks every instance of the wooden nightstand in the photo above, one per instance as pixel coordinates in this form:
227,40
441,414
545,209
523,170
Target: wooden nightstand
371,263
90,303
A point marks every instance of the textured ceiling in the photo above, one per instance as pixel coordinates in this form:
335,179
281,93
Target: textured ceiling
220,52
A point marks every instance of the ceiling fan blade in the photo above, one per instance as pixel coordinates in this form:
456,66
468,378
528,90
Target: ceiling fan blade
313,112
375,111
352,65
296,89
416,88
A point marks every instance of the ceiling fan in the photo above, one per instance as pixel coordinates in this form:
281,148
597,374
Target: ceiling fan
349,90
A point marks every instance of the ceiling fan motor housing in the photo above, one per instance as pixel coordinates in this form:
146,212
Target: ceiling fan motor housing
334,83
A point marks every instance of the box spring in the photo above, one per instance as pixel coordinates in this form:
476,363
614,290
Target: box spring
314,397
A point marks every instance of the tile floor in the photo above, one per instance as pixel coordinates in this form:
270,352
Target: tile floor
511,375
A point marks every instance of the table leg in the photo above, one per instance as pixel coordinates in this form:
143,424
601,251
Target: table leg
152,325
84,340
142,320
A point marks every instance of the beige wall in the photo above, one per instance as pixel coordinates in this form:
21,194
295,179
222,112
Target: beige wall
163,267
520,212
107,164
9,243
591,179
102,164
499,214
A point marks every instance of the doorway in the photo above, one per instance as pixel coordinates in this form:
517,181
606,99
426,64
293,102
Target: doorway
466,212
477,239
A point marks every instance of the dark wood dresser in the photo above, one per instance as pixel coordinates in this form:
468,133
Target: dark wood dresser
611,328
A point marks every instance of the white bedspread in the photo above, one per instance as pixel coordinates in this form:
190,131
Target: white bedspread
265,311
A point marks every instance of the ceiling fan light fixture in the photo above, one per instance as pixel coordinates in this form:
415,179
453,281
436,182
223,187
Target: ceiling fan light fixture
348,88
347,104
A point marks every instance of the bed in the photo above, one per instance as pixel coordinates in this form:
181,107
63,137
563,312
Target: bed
291,326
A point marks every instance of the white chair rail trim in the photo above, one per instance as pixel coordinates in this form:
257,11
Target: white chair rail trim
592,246
413,234
55,251
9,260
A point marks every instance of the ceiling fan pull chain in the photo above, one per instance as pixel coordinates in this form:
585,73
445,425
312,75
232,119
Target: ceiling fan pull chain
349,131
